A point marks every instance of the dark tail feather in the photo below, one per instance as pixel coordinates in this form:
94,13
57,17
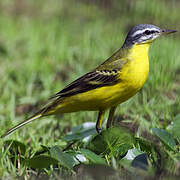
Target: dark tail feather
32,118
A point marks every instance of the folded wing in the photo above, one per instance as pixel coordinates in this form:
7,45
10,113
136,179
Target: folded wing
90,81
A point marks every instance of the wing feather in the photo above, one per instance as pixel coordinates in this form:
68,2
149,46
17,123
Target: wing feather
89,81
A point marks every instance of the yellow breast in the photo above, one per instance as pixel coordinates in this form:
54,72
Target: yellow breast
135,72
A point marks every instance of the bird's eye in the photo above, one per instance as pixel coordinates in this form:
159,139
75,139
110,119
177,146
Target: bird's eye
147,32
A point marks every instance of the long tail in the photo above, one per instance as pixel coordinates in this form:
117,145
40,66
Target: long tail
32,118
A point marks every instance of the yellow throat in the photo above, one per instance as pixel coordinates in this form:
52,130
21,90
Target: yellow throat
135,72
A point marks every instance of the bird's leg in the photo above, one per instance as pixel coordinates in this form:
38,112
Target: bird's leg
110,118
99,121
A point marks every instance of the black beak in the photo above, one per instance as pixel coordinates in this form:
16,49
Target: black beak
167,31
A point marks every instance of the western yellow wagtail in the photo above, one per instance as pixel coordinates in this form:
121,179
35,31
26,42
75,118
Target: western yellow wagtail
116,80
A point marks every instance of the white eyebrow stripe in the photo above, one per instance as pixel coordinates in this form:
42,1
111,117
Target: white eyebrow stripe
143,30
137,32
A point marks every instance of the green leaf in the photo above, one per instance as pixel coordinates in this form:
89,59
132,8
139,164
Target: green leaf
15,147
165,137
64,158
41,161
94,158
175,127
110,140
81,132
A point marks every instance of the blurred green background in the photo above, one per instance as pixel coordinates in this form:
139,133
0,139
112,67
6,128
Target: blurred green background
46,44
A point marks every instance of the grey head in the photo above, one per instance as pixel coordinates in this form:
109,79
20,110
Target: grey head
144,33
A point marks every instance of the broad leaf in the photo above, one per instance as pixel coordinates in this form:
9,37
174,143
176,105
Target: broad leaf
81,132
165,137
41,161
94,158
64,159
110,140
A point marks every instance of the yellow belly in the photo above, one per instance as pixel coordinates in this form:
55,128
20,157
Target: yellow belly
132,77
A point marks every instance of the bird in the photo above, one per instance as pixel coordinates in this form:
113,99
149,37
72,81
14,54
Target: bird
113,82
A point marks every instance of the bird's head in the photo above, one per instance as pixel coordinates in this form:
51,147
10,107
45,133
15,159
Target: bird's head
144,33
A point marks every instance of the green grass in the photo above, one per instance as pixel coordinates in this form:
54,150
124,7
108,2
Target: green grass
45,45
